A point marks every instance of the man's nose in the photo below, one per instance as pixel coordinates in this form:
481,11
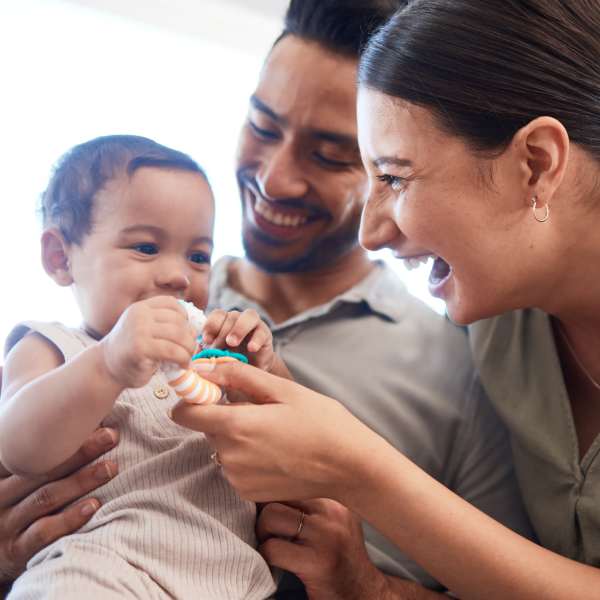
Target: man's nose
281,175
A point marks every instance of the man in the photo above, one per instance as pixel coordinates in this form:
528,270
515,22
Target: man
337,321
336,316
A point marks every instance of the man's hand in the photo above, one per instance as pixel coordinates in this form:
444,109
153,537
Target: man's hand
322,543
328,554
29,520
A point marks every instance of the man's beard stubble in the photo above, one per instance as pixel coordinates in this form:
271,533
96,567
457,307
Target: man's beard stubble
325,252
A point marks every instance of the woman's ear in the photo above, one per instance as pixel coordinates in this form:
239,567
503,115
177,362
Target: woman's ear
543,153
55,257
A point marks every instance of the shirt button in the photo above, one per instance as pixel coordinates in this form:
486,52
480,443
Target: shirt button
161,392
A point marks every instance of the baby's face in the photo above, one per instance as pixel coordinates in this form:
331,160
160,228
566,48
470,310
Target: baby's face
151,236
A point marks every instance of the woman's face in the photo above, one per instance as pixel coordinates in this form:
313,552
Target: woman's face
431,195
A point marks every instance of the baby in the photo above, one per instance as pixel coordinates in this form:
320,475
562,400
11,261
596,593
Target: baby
128,226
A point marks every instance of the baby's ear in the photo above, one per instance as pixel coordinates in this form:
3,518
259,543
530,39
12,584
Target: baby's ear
55,257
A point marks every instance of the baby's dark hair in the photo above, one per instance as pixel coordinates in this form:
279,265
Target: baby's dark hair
84,170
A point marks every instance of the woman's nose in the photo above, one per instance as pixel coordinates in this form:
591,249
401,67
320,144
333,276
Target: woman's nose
377,228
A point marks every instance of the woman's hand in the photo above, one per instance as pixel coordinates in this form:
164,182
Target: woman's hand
291,444
322,543
30,515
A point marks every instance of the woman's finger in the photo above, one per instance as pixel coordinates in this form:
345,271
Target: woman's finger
260,387
210,420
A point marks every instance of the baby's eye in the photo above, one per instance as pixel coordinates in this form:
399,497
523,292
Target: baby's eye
201,258
146,248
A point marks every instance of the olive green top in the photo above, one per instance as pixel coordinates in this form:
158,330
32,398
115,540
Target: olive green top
521,372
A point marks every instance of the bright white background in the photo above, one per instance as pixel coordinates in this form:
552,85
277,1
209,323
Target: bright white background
69,73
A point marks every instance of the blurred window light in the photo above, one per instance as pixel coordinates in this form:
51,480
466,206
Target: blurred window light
70,73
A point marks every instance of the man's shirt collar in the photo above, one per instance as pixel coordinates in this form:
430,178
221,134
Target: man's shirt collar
381,291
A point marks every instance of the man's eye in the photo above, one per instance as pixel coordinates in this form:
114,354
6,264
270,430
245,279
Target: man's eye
200,258
146,248
393,181
264,134
330,162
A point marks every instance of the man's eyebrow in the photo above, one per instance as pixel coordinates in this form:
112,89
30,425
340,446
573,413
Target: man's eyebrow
391,160
158,232
262,107
343,139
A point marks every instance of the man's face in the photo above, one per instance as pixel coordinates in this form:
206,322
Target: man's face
301,179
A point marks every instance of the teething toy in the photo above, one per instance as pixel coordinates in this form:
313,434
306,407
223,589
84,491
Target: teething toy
187,383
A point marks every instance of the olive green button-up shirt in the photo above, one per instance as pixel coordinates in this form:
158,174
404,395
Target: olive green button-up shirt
521,372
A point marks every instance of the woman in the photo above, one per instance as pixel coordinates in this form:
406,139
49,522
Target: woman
480,129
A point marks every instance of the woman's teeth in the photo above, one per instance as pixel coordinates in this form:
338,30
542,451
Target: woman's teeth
414,262
276,217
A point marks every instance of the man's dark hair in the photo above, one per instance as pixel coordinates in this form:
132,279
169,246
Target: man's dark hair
84,170
341,26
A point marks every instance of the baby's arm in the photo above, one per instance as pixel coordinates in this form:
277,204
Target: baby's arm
49,408
248,332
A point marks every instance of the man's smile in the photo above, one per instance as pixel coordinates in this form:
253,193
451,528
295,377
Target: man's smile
281,219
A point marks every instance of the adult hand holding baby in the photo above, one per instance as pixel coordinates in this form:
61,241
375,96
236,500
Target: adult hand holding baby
30,515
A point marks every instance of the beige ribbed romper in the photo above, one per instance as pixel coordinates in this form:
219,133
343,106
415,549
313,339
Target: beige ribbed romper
170,525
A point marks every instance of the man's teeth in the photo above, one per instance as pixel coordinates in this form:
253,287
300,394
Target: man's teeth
276,217
416,261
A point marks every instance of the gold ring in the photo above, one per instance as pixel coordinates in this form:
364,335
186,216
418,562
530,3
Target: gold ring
299,528
215,458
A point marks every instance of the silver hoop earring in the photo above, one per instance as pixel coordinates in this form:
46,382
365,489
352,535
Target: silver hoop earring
535,211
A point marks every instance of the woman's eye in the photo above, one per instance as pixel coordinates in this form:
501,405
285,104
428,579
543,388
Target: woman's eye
200,258
146,248
265,134
393,181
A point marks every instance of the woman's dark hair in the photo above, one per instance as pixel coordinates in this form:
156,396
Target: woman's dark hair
487,68
84,170
341,26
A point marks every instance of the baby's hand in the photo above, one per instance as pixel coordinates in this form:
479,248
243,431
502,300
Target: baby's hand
246,332
148,333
